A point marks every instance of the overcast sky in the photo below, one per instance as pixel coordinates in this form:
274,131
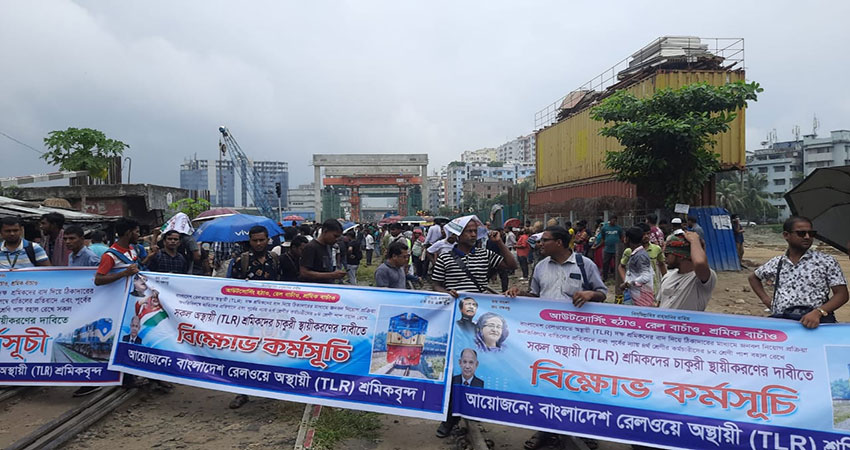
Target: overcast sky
295,78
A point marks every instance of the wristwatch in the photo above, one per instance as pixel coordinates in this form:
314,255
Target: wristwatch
822,312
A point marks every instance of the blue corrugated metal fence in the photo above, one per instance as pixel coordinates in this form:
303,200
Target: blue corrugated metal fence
719,238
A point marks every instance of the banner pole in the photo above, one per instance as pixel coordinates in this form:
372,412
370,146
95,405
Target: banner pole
306,431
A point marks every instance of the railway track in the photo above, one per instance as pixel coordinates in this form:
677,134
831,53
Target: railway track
11,392
60,430
398,371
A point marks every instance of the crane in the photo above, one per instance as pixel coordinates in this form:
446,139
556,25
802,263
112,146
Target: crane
248,174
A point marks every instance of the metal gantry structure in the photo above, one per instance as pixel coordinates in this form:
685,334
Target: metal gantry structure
249,175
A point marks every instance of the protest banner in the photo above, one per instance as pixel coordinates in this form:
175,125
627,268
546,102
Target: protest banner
665,378
56,328
360,348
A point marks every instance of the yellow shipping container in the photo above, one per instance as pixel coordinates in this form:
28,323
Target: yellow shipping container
573,150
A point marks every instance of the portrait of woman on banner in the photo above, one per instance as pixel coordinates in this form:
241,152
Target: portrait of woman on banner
491,330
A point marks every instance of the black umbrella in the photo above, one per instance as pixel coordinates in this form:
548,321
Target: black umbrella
824,198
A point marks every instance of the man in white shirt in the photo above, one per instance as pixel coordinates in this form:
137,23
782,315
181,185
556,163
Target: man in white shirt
689,280
370,247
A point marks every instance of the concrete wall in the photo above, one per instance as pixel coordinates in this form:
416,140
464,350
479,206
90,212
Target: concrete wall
144,202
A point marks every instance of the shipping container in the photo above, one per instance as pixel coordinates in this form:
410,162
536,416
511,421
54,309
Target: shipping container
572,150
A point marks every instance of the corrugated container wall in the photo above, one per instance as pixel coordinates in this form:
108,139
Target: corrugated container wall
573,150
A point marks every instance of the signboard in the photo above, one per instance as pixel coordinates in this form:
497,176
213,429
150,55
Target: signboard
665,378
369,349
56,328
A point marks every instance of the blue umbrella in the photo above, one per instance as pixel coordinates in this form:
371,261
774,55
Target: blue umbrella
234,228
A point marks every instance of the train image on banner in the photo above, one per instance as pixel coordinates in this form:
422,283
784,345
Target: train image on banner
93,340
405,339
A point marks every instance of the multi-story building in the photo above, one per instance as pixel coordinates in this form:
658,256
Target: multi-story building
520,149
785,164
458,172
484,155
218,178
302,199
436,190
268,174
781,163
485,188
826,152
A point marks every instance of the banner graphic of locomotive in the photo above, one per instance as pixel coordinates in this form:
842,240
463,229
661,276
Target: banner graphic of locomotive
370,349
56,328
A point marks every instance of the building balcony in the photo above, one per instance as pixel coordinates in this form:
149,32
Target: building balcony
816,157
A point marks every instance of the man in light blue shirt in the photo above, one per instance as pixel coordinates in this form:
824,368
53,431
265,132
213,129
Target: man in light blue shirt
559,276
97,245
15,251
80,256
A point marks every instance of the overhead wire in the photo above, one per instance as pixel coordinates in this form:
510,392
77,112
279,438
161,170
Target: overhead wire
22,143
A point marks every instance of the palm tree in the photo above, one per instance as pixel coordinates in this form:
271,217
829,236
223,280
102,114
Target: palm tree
746,195
730,196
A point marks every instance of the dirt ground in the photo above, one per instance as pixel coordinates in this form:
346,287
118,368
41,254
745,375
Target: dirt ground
196,418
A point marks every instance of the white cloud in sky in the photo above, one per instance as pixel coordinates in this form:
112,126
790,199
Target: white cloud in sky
295,78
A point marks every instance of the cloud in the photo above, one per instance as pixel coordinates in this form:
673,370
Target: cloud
296,78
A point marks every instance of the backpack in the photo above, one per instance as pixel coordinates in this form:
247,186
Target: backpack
245,257
585,285
124,259
30,250
417,249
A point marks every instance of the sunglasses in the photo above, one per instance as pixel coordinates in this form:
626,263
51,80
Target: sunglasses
803,233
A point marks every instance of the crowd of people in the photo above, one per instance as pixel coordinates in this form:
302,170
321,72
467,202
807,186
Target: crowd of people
663,264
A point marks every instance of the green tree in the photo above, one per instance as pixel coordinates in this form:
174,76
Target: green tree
82,149
745,194
190,206
667,138
730,195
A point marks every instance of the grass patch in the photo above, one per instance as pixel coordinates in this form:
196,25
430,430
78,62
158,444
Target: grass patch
366,274
336,425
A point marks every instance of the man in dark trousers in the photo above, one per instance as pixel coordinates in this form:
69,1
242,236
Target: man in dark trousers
353,255
468,365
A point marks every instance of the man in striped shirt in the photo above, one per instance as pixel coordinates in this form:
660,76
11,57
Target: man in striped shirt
464,268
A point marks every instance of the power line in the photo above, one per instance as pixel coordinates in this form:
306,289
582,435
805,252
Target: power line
25,145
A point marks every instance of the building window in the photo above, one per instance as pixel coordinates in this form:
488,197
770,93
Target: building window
762,169
779,169
779,182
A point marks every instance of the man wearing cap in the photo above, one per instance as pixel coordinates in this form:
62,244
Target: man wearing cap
689,281
675,228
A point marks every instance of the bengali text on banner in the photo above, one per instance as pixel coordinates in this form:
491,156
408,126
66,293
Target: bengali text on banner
674,379
56,328
360,348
